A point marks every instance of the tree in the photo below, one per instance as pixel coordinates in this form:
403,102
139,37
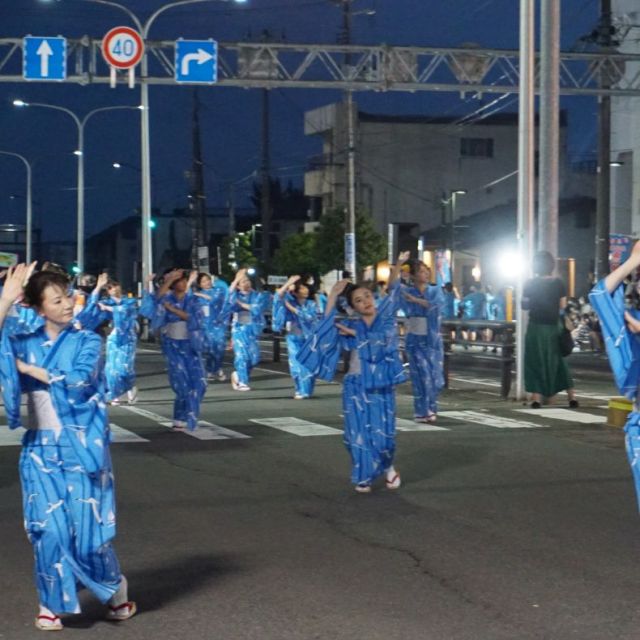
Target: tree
236,253
329,250
296,255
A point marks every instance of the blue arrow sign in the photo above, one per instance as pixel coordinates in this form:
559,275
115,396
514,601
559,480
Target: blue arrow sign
44,58
196,61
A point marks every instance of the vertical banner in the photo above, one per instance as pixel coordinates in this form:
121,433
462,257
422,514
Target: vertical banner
443,267
392,242
350,250
619,249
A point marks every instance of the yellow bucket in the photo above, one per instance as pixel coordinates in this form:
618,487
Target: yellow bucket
618,410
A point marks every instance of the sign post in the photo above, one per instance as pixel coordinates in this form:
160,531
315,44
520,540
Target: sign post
122,48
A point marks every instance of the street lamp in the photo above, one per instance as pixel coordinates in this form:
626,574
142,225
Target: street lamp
79,152
28,240
143,28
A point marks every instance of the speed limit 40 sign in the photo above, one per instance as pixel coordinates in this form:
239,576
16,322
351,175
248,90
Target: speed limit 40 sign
122,47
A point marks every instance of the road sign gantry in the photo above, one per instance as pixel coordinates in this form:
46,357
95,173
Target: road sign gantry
371,68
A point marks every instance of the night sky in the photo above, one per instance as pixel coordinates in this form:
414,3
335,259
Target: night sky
230,118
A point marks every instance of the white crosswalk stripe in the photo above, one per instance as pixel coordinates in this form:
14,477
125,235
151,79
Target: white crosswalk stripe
205,430
13,437
297,427
402,424
565,414
488,420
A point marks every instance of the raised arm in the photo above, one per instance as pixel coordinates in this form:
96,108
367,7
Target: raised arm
395,271
336,290
617,277
285,287
15,280
168,280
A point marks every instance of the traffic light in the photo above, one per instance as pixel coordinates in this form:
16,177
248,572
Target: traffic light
75,269
152,224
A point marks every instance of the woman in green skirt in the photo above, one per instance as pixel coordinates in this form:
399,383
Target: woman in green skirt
545,370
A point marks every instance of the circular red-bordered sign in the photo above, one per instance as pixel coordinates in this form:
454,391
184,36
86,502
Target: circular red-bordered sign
122,47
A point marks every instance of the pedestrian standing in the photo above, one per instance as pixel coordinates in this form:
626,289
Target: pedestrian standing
294,311
545,371
422,305
368,396
65,466
620,328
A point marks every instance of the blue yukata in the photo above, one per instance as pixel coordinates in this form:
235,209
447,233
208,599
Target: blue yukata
246,327
623,350
299,326
449,305
119,367
474,306
215,319
180,341
368,395
423,345
65,466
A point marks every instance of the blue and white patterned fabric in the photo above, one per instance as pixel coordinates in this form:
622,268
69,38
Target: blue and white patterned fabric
623,350
423,345
180,347
368,395
299,325
246,327
119,368
215,319
65,466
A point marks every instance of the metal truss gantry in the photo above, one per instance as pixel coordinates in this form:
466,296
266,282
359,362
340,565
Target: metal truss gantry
370,68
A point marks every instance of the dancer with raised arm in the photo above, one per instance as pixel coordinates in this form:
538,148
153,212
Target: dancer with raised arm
215,320
176,312
422,306
368,395
620,328
295,312
65,466
247,307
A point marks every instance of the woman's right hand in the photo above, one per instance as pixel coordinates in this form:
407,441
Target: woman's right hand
17,277
339,287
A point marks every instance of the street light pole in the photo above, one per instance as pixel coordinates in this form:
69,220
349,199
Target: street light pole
79,152
145,153
29,238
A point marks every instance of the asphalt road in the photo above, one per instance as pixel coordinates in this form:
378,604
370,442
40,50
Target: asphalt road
508,525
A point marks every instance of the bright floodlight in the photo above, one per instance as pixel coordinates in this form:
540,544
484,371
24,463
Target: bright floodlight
510,264
251,271
19,103
77,152
116,165
476,273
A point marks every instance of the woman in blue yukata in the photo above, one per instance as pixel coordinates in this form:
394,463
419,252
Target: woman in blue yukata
247,307
65,467
293,310
620,329
214,325
122,314
368,395
178,318
422,306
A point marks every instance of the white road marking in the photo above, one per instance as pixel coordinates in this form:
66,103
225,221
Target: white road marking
205,430
565,414
120,435
13,437
489,420
409,425
475,381
297,427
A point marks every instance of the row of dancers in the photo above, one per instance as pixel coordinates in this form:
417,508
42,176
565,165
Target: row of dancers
55,358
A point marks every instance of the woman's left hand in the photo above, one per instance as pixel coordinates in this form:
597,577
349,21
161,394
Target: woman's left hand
632,323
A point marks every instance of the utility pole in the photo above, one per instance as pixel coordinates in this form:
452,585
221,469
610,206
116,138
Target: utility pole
265,182
549,130
350,210
197,199
604,39
526,178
